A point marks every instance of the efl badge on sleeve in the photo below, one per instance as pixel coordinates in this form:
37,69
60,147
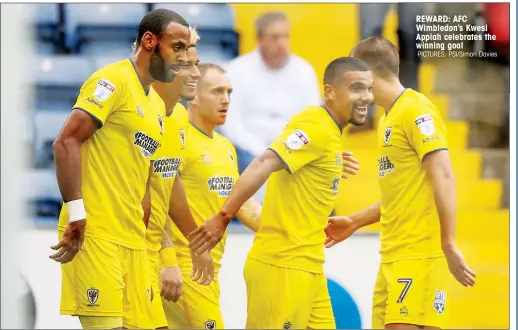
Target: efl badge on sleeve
103,90
387,135
297,140
425,124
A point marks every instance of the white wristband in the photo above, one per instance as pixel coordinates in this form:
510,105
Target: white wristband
76,210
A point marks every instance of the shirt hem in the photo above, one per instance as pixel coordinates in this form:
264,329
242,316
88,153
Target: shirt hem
112,240
394,259
282,265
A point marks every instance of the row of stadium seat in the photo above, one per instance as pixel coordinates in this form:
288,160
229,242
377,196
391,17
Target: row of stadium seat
96,28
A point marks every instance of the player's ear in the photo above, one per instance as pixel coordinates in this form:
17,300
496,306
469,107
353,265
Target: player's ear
149,41
329,92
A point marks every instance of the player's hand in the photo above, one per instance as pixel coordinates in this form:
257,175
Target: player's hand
202,268
458,267
71,242
349,165
206,236
338,229
172,282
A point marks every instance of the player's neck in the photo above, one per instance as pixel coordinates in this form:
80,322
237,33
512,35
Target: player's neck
391,91
171,102
203,125
142,67
334,114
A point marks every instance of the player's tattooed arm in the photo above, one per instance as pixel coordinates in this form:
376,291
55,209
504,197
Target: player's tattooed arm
179,209
340,228
210,233
167,242
249,214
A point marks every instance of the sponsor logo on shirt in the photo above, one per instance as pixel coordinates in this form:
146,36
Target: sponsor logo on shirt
147,144
385,166
430,139
167,167
221,184
94,102
103,90
425,124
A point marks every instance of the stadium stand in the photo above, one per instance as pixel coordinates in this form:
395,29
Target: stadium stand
47,28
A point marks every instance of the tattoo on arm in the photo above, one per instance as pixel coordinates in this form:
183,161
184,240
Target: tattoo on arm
166,242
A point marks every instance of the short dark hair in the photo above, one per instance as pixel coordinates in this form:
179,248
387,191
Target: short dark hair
380,54
205,67
267,19
157,20
339,66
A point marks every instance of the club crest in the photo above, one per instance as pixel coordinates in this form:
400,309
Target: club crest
182,138
93,295
387,135
210,324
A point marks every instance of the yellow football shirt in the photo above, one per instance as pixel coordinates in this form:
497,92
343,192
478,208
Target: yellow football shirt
410,225
299,199
208,172
164,169
115,160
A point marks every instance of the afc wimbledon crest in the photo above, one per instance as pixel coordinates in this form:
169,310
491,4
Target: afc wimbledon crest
425,124
182,138
439,301
210,324
387,135
161,123
93,295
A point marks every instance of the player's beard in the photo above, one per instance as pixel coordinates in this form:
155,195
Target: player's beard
158,69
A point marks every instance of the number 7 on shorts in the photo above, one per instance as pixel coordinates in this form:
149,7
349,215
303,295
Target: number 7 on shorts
408,283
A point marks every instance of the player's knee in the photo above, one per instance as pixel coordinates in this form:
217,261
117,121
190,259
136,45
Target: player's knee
101,322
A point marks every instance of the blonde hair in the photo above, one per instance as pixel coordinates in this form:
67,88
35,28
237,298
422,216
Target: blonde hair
195,37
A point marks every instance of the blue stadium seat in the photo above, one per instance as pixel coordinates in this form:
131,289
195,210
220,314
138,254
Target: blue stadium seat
47,21
210,53
92,27
102,61
203,15
214,22
47,125
59,78
43,193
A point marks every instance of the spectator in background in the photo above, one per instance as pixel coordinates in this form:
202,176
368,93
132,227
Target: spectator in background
372,18
270,85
